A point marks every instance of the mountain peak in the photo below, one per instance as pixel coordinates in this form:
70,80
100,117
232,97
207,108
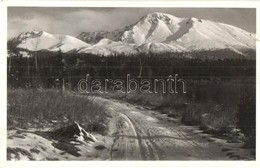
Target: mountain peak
193,20
159,15
30,34
41,40
156,16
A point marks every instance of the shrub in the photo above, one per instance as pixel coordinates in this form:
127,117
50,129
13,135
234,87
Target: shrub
210,116
192,114
246,116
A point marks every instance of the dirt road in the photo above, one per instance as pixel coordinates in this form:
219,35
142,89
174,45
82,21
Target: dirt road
143,134
135,133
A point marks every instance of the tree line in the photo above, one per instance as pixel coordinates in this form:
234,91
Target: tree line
56,69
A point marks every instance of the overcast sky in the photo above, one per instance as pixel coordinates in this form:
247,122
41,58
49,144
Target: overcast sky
72,21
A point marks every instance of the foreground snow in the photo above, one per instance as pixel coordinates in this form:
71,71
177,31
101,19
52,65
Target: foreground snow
68,143
135,133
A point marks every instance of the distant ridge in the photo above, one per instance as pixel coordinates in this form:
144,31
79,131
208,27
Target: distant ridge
153,33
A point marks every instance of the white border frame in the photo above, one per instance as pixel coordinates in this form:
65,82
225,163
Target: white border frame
43,164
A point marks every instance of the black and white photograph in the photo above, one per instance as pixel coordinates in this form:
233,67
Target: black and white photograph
130,83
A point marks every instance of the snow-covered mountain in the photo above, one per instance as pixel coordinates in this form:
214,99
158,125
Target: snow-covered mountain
155,32
35,41
108,47
159,32
95,37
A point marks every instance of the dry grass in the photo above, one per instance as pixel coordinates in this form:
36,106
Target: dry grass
211,116
39,108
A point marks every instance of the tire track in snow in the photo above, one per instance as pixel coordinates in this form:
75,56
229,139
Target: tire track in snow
148,137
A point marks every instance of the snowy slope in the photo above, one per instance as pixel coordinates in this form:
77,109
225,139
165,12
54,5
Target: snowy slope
35,41
109,47
159,32
155,27
159,47
207,35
